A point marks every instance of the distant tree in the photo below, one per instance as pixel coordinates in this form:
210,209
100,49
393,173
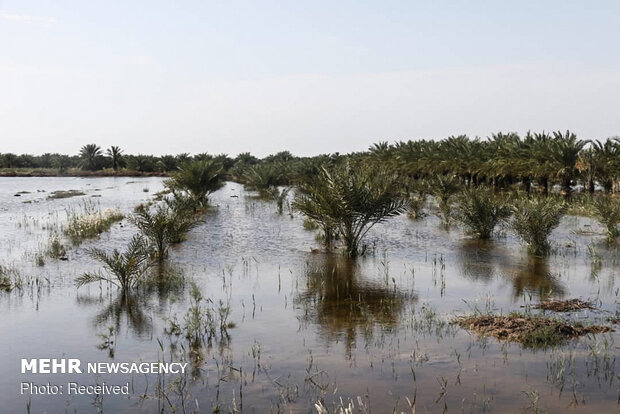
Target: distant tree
183,158
91,156
116,153
246,158
10,160
169,162
46,160
142,163
62,162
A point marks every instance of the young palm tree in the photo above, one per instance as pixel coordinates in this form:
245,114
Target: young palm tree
198,178
349,201
608,212
91,157
116,153
534,220
267,178
480,211
162,227
444,188
124,270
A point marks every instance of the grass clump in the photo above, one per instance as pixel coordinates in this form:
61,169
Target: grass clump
608,213
480,211
90,223
9,278
123,269
535,219
528,330
55,248
202,323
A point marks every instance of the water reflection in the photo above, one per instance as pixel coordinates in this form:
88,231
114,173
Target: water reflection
125,307
345,304
482,261
129,308
533,276
478,258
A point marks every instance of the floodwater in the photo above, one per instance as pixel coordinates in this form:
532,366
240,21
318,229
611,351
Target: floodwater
308,326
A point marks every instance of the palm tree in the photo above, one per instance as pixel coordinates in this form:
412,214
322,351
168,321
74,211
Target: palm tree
198,178
564,155
116,153
267,178
480,211
607,161
91,157
535,219
349,201
124,270
443,188
163,226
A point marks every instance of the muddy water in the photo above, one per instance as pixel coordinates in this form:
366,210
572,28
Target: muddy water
309,326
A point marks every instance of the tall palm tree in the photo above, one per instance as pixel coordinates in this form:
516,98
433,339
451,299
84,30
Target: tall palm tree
91,157
564,155
116,153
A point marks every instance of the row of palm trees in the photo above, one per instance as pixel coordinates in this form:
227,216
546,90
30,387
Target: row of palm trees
537,158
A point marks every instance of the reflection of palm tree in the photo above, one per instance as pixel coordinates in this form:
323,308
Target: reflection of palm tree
477,259
342,304
534,277
126,306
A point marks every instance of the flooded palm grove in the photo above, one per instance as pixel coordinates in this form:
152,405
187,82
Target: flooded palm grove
265,320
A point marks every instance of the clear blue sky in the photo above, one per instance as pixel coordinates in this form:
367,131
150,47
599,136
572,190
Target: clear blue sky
307,76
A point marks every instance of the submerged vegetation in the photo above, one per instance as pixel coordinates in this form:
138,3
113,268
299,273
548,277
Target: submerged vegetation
9,278
367,307
89,222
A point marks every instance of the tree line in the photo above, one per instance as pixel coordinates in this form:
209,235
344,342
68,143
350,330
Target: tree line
535,161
